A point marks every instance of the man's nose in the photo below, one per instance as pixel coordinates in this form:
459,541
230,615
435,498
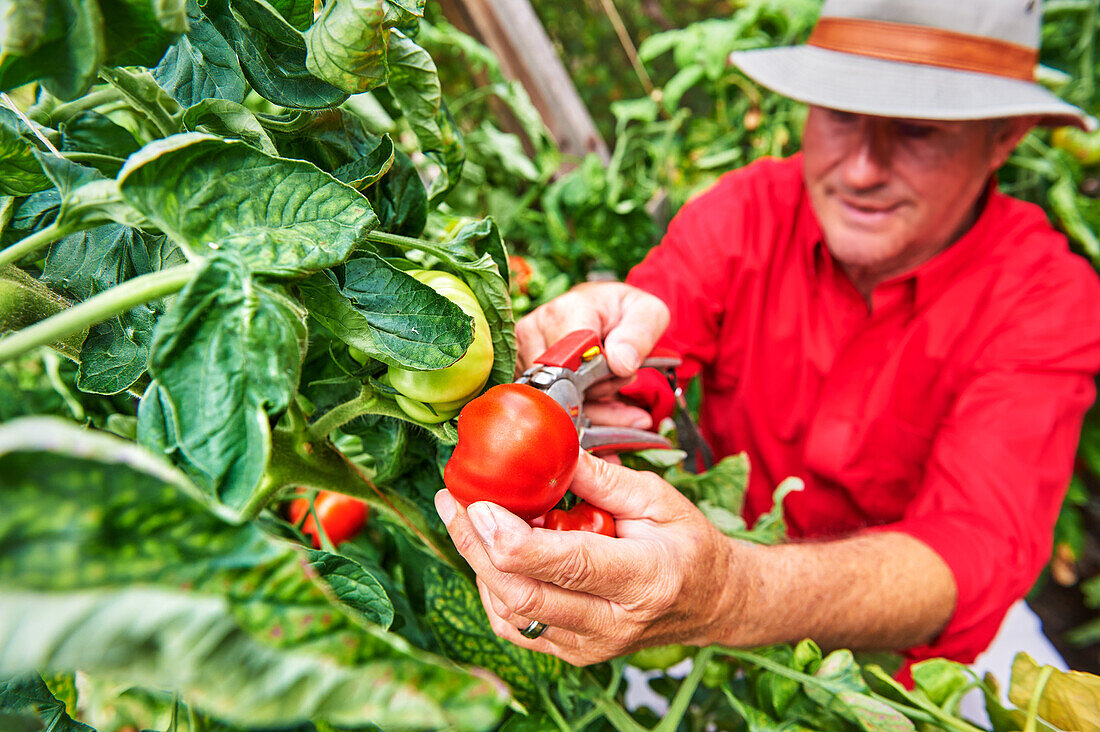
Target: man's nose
868,158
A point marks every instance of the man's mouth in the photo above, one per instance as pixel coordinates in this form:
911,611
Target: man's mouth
867,212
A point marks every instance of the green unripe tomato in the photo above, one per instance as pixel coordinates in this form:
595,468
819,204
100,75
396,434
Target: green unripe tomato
1085,146
464,378
660,658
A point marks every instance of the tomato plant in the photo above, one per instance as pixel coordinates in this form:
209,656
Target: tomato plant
445,390
516,447
341,517
582,517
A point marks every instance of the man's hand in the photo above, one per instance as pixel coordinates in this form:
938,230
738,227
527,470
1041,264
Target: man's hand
628,320
659,582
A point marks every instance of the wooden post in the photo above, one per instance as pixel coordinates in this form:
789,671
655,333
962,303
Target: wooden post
512,30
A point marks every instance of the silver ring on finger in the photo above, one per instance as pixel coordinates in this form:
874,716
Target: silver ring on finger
534,630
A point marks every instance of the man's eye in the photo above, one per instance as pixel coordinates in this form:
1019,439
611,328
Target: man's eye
914,131
839,117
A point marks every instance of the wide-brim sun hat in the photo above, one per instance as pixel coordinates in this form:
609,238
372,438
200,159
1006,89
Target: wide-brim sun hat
918,59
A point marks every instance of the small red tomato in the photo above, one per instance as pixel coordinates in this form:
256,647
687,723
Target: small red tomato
341,516
582,517
516,447
520,270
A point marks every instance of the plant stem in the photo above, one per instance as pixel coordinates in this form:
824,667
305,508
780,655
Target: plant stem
341,414
932,715
403,242
98,308
679,705
296,460
63,112
31,243
552,710
617,716
628,45
1036,697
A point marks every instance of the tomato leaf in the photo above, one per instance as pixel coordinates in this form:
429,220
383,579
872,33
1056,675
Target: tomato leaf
414,84
20,172
228,120
29,698
388,315
346,45
201,65
284,217
228,354
458,620
64,54
272,55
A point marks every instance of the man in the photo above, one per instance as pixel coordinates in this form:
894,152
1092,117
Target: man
871,316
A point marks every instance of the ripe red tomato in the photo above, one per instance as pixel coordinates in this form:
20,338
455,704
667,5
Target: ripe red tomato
516,447
341,516
582,517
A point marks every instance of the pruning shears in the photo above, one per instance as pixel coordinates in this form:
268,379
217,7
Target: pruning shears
573,364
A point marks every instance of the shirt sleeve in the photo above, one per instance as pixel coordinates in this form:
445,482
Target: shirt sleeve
692,268
1001,462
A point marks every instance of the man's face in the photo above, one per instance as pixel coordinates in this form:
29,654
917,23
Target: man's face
892,193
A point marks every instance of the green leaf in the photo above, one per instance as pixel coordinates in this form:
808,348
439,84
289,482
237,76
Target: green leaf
388,315
346,45
228,355
87,197
230,120
201,65
771,527
138,32
299,13
24,28
93,132
29,696
354,587
723,485
116,352
364,171
283,217
942,680
64,56
272,55
399,198
143,93
477,255
20,172
170,639
414,84
458,620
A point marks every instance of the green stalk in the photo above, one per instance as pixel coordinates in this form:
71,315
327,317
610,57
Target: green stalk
341,414
931,714
296,460
680,703
402,242
1036,697
32,243
64,112
98,308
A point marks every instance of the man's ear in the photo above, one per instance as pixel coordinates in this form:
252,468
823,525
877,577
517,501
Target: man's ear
1007,135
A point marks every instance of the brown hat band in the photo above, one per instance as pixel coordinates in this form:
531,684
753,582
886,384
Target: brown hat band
921,44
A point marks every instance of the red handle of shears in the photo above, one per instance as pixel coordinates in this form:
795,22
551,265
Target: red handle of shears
583,345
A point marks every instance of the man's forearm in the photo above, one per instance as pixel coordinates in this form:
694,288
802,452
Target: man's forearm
884,591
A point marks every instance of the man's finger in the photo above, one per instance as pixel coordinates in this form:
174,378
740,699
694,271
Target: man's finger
617,414
627,494
642,321
580,575
525,593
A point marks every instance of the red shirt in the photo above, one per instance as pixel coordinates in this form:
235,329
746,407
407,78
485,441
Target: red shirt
949,409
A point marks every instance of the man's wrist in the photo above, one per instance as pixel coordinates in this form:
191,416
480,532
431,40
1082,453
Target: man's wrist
739,617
